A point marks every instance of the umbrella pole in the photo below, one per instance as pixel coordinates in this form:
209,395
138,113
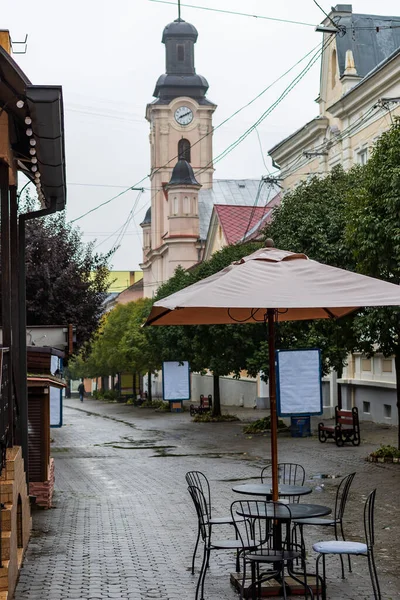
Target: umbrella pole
272,400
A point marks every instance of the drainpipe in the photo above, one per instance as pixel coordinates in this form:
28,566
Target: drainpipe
23,384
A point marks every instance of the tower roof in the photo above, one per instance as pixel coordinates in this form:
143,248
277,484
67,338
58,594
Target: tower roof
180,77
179,28
147,217
182,174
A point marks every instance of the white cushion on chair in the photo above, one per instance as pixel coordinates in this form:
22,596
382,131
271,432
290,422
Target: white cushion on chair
339,547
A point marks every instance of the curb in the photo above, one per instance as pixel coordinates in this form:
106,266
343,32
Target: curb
383,459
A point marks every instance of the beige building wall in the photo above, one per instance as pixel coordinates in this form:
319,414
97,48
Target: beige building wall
165,134
352,115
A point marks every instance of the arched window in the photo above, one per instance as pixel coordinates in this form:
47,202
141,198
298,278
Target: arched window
186,206
184,150
334,68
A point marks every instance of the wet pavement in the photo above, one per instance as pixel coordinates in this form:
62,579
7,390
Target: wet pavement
123,525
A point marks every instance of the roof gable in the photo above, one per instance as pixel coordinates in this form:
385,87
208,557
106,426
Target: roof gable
236,221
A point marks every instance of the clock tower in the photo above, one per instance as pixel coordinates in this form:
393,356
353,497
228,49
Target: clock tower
180,129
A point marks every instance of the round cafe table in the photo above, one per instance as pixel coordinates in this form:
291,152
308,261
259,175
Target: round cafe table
265,490
297,511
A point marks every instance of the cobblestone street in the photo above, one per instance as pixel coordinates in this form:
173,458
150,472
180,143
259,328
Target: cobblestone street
123,525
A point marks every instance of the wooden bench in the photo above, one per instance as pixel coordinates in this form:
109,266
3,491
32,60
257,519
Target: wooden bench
346,428
205,406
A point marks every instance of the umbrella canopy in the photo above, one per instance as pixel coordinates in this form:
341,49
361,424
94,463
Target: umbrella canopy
280,285
269,278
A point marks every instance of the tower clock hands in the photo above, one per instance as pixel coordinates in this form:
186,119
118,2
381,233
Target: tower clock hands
183,115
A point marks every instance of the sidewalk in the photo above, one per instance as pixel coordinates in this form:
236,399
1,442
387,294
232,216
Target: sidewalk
123,526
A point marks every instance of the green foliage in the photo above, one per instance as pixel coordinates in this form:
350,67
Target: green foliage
209,418
312,220
121,344
221,349
111,395
156,404
373,231
386,452
66,280
350,220
262,425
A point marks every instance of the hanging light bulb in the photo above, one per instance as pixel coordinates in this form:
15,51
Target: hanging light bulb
34,168
32,142
28,120
37,175
34,160
32,151
20,103
29,132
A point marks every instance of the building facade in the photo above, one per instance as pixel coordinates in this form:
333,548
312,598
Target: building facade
183,190
358,96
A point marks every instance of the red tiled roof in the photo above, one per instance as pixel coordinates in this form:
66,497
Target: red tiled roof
236,221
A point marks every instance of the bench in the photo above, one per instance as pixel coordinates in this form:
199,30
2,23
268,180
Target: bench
205,406
346,428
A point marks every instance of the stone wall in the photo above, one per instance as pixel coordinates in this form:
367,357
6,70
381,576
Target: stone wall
16,522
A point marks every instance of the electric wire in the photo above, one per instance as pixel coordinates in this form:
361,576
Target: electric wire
120,232
269,110
233,12
200,139
351,129
236,13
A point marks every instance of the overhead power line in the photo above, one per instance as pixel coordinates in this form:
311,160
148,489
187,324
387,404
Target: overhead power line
174,158
233,12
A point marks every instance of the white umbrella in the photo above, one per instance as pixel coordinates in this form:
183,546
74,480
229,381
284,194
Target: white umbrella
276,285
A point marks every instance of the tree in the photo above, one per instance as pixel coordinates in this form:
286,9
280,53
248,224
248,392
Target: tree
136,343
351,220
312,220
373,232
221,349
121,344
66,280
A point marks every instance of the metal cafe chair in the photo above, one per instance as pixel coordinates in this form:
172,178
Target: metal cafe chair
288,474
352,548
199,480
336,522
266,536
209,543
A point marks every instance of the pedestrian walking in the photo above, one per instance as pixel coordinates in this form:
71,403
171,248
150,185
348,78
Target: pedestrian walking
81,391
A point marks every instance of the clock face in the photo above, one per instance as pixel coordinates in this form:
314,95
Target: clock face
183,115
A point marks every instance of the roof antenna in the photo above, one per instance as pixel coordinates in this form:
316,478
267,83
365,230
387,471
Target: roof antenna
179,10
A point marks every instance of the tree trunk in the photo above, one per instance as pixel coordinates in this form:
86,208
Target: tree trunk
397,365
216,409
134,385
149,394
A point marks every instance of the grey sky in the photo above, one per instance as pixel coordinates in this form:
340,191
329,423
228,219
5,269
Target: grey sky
108,56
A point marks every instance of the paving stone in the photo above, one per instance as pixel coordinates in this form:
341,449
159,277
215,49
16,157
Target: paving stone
123,526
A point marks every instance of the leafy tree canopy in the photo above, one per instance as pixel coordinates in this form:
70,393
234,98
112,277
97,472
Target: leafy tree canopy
66,280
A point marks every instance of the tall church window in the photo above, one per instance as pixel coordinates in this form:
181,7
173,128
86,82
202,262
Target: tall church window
186,206
175,206
181,52
184,150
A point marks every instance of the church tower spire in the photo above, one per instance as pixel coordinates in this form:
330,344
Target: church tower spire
180,78
180,130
